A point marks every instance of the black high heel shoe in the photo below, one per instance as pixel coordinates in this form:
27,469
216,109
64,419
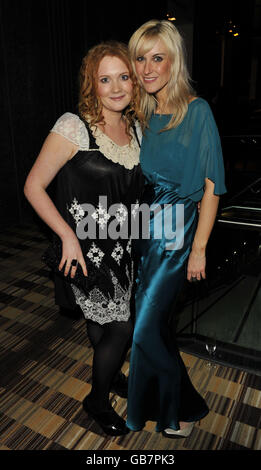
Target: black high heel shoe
120,385
110,422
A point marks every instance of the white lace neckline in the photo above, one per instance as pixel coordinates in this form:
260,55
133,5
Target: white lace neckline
74,129
126,155
99,130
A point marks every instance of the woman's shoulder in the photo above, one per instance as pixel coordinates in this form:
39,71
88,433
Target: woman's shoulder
71,126
200,104
69,118
200,109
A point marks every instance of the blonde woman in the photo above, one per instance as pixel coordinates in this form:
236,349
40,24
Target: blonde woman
182,162
94,157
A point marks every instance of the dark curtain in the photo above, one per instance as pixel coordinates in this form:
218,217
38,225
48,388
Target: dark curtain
38,83
42,45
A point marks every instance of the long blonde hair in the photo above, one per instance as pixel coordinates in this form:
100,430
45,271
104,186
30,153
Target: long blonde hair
179,89
89,105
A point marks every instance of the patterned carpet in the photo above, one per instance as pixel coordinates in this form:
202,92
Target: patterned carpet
45,372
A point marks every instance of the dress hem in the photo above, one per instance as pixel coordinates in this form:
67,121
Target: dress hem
160,429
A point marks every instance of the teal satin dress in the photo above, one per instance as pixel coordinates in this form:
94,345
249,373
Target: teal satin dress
175,164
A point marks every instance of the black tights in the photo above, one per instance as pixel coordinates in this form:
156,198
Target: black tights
109,342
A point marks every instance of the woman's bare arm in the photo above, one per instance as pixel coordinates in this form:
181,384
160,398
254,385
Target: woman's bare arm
207,215
55,153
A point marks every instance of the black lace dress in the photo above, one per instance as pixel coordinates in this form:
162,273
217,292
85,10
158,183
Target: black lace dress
98,193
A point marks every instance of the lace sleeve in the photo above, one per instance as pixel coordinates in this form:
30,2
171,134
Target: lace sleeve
73,129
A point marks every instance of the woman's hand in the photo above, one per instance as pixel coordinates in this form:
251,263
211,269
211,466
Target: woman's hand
207,215
72,251
196,267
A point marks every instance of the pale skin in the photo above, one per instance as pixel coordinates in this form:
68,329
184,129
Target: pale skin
115,91
153,71
55,153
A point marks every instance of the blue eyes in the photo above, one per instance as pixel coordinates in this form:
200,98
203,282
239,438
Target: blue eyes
156,58
107,79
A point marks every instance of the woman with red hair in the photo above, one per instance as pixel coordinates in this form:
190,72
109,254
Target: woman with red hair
92,154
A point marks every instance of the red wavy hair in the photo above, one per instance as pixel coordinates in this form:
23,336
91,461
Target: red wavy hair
89,104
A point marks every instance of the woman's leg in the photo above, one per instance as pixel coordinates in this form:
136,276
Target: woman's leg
109,342
94,332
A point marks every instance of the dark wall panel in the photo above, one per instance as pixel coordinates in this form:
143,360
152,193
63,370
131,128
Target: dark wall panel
42,44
